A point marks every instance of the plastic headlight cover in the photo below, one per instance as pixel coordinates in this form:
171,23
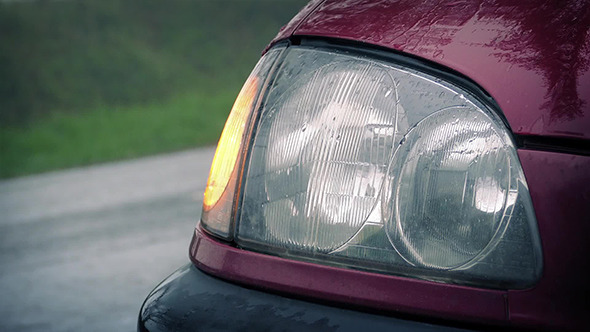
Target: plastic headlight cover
366,164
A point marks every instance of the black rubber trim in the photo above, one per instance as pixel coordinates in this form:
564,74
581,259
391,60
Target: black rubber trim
575,146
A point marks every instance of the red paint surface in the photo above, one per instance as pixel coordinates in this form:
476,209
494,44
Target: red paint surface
531,56
559,187
370,290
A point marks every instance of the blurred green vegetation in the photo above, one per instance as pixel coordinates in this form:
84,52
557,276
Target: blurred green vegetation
90,81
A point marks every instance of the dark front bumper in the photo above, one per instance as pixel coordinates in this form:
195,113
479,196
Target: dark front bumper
190,300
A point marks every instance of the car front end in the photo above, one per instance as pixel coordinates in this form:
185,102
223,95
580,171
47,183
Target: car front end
399,165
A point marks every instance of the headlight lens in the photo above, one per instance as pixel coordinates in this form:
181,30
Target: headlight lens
366,164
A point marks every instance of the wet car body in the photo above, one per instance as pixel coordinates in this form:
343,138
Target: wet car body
532,60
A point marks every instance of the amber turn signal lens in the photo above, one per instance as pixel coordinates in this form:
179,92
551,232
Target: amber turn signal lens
228,147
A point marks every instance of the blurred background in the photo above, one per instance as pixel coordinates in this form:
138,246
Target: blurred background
109,115
83,82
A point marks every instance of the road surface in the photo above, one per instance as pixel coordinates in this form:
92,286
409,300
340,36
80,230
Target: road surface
80,249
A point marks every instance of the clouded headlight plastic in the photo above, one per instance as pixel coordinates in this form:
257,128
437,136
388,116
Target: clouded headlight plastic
367,164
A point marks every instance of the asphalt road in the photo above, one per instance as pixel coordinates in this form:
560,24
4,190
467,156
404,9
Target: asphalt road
80,249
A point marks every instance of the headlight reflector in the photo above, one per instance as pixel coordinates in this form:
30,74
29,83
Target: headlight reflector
451,189
323,164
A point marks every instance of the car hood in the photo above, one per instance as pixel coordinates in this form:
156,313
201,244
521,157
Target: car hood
533,58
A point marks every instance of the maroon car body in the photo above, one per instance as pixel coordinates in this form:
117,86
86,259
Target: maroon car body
533,58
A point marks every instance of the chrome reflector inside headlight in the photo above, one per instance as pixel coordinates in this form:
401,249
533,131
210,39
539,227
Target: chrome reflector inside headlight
324,152
368,164
451,189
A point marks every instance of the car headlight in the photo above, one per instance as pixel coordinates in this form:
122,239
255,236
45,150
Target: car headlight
364,163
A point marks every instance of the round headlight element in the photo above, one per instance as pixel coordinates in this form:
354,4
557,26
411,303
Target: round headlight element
327,154
449,192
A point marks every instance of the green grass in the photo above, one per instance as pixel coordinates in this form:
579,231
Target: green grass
84,82
104,134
